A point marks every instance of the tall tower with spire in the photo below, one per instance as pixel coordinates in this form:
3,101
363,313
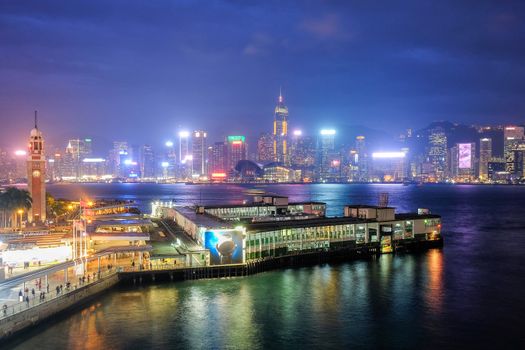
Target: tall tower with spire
280,131
36,175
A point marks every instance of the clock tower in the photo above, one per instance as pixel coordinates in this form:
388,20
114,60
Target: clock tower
36,176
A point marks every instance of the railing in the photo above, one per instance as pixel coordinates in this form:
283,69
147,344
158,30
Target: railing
51,297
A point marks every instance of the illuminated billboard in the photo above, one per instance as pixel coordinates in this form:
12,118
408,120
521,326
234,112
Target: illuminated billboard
232,139
225,246
465,155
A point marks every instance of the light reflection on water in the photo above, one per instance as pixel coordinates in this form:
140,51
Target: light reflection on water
463,296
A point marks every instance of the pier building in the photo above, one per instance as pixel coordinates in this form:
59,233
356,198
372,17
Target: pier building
272,227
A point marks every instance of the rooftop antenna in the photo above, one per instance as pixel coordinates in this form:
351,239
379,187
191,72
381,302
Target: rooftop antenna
36,119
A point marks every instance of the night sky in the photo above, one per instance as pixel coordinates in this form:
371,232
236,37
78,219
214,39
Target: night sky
139,70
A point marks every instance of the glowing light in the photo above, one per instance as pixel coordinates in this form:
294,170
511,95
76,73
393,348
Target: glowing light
93,160
237,143
20,256
335,163
328,132
218,175
297,132
130,162
164,164
20,211
184,134
20,152
236,138
169,144
197,134
90,203
388,155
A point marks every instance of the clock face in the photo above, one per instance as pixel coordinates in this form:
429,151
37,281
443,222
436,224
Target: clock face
36,173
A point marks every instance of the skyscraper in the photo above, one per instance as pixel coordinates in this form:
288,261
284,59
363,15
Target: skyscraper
437,152
185,156
265,148
198,145
485,155
280,131
325,150
361,159
513,137
218,167
302,149
148,167
36,175
237,151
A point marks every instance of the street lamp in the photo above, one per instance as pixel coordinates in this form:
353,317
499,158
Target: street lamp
20,212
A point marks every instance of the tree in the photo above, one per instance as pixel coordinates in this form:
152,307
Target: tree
12,200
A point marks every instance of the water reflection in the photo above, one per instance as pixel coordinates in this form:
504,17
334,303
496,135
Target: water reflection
434,291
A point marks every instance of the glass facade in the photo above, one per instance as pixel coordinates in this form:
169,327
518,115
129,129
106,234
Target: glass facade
287,240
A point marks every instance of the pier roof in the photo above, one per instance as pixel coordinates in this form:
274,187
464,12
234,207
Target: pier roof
203,220
259,204
326,221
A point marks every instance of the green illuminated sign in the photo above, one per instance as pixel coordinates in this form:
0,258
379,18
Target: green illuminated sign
236,138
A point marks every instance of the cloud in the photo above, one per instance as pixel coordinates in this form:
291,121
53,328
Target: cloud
329,26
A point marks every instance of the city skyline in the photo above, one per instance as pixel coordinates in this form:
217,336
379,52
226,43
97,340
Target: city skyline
220,66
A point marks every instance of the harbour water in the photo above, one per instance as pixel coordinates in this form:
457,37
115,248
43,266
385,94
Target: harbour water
470,294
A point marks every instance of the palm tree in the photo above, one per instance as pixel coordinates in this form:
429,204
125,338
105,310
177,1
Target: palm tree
12,200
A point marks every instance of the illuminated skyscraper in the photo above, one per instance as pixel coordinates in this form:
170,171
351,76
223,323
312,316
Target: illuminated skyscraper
462,162
218,167
361,159
76,151
116,157
148,168
36,175
185,156
485,155
265,148
237,151
198,145
513,141
437,152
184,145
302,149
280,131
325,151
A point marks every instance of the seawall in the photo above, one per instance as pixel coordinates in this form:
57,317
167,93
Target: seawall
14,324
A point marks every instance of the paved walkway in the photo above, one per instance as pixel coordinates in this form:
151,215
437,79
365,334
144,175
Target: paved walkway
9,309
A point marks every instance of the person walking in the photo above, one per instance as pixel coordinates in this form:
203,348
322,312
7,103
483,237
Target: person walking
20,296
33,292
27,300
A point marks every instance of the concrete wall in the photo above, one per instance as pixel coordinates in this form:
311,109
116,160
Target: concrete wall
27,318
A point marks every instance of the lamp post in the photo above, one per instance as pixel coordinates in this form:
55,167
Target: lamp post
20,212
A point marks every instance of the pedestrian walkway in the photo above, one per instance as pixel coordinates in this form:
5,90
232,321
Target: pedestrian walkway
31,298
